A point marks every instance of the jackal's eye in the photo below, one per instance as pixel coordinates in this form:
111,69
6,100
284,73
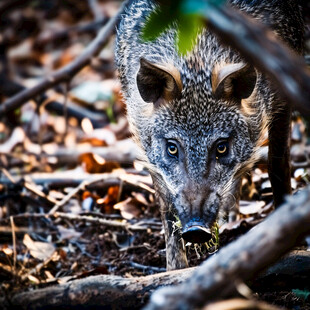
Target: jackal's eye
222,149
172,149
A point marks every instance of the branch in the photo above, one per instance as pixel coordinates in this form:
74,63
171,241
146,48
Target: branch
260,47
242,260
66,73
104,291
114,292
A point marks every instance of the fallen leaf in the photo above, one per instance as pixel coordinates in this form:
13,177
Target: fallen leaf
93,163
68,233
39,250
110,199
251,207
130,208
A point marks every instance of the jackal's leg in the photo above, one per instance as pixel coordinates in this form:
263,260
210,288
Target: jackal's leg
175,248
279,154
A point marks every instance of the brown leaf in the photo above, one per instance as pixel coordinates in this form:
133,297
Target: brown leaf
251,207
110,199
39,250
93,163
130,208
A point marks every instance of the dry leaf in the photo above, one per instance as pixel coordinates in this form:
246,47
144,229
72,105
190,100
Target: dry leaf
68,233
39,250
130,208
106,204
93,163
251,207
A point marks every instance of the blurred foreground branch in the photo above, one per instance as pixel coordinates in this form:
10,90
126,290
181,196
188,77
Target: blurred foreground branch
260,47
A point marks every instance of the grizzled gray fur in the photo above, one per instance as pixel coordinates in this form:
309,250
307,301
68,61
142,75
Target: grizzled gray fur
199,119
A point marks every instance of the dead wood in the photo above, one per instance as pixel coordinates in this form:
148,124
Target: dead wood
241,260
124,293
104,291
259,46
65,34
66,73
9,88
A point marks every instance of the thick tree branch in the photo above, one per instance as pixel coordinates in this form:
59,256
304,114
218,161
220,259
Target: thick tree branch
104,292
260,47
66,73
241,260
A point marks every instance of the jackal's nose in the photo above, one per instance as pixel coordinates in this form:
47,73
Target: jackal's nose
196,232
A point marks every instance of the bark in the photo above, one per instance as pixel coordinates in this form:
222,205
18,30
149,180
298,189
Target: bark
241,260
259,46
104,292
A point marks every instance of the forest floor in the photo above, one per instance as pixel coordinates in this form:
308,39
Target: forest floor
74,201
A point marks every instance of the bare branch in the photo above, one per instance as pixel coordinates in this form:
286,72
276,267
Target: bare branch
260,47
66,73
241,260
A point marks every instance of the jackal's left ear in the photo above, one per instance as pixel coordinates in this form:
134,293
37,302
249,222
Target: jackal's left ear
158,83
233,82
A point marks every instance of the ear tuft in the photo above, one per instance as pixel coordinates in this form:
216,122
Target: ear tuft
233,82
157,83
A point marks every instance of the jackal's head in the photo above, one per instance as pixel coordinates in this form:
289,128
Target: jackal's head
199,129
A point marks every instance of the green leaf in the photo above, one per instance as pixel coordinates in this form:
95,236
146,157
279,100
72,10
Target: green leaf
301,294
157,23
199,6
189,17
189,27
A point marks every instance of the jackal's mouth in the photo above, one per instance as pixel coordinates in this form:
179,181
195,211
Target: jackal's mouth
196,232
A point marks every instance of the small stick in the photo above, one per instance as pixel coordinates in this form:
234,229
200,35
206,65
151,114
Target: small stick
69,196
14,244
89,219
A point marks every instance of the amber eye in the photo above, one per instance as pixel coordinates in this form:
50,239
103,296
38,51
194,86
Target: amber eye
222,149
172,150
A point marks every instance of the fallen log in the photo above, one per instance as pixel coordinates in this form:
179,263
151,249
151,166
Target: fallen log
104,291
129,293
242,260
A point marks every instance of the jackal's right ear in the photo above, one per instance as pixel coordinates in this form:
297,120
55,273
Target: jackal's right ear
158,83
233,82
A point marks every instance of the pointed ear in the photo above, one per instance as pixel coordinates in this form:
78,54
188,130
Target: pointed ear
233,82
158,83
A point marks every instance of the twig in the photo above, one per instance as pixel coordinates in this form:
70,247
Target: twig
143,267
95,8
104,222
37,268
66,73
104,180
10,88
89,219
14,244
76,30
31,187
65,107
69,196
